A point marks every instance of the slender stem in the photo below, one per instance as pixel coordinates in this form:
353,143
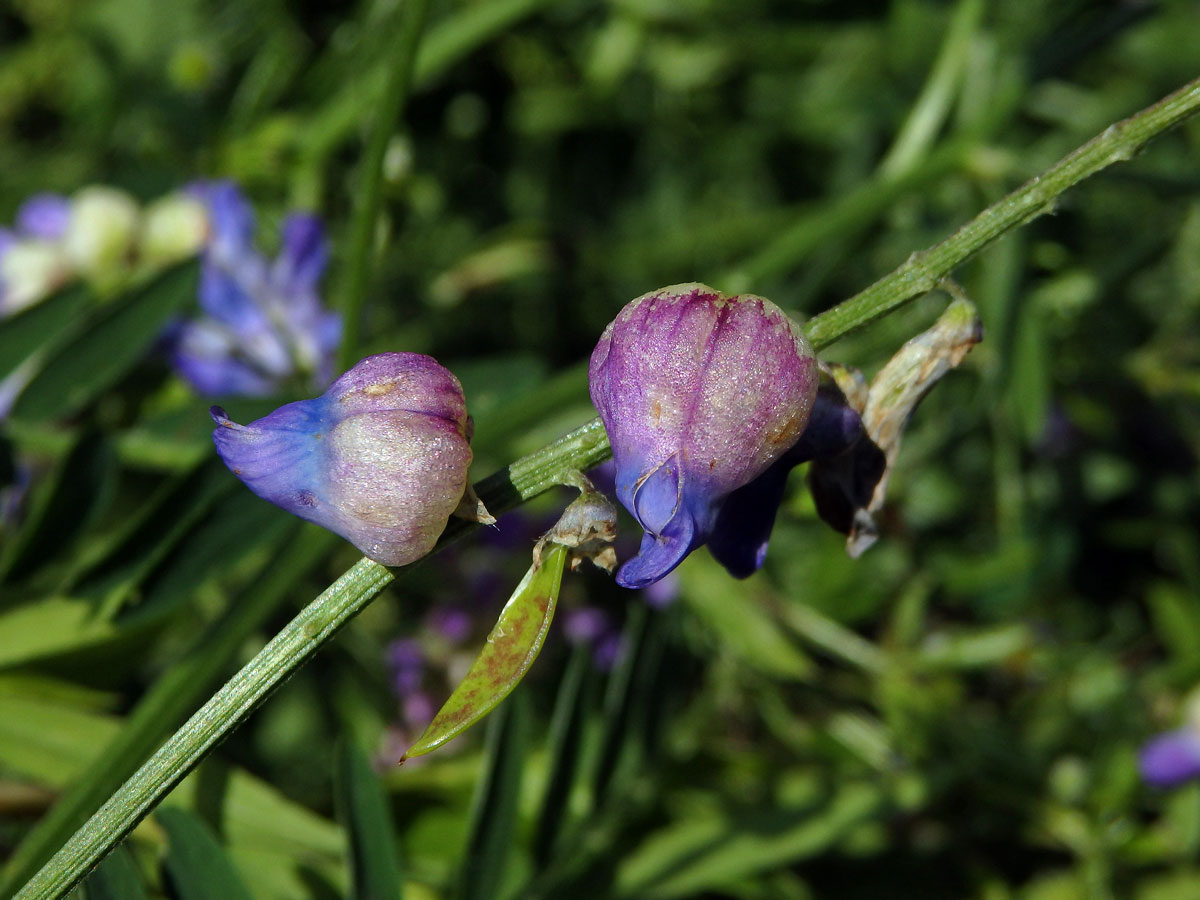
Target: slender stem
291,648
922,271
368,199
584,447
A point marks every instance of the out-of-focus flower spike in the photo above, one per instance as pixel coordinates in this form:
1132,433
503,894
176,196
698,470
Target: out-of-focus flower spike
380,458
30,270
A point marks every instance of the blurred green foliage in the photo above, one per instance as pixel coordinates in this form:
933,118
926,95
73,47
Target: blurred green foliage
956,714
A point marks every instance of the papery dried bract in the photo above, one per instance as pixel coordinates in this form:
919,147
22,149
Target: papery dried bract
700,394
380,458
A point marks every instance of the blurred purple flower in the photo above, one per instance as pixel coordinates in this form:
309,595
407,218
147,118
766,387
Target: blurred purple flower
406,663
265,322
451,622
663,592
44,216
1171,758
594,628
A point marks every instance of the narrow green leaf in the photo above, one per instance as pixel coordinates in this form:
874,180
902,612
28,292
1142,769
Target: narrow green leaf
618,700
197,864
494,811
150,532
63,506
510,650
161,708
746,629
563,754
51,627
119,337
699,853
375,864
39,327
115,879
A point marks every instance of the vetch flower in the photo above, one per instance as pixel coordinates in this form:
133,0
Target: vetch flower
265,322
380,458
701,394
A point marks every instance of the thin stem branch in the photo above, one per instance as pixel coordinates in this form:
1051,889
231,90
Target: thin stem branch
583,448
922,271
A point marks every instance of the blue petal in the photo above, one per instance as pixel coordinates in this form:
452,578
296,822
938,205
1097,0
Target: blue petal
743,524
224,298
278,457
1171,758
44,216
303,255
660,553
656,497
231,219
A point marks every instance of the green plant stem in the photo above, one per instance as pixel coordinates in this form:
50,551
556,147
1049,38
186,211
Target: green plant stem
583,448
922,271
369,196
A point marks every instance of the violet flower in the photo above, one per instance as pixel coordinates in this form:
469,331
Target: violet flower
265,322
701,394
380,458
1171,758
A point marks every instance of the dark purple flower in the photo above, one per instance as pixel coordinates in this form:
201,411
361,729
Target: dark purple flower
265,321
700,394
1171,758
380,458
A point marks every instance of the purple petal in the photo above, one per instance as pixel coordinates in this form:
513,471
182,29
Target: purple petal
743,525
231,219
661,553
303,255
1171,758
44,216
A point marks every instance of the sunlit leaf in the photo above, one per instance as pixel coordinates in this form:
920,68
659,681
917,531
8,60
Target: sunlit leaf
198,866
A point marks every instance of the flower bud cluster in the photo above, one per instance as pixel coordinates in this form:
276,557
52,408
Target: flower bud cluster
99,234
